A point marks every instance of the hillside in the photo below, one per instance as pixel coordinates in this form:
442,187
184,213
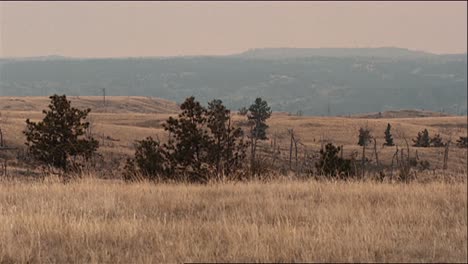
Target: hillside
314,81
384,52
127,119
404,113
113,104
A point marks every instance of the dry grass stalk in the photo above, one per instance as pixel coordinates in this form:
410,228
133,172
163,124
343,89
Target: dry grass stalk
95,221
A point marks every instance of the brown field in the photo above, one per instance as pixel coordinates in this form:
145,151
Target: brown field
286,220
134,118
90,221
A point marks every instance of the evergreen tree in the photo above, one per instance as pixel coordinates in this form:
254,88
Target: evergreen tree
188,140
330,164
364,137
149,161
202,143
60,136
259,112
422,140
227,149
388,136
436,141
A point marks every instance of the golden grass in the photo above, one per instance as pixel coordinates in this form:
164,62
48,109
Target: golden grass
91,221
114,104
127,126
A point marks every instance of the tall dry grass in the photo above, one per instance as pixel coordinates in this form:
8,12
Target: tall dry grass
90,221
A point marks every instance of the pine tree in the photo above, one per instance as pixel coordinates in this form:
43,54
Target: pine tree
388,136
259,112
227,148
436,141
330,164
422,140
60,136
150,161
364,137
188,140
201,141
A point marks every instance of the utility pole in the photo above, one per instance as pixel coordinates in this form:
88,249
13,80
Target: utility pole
328,106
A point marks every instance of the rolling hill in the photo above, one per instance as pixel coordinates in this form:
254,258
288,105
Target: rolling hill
314,81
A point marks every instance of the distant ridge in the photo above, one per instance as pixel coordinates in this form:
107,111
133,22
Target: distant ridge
114,104
403,113
284,53
37,58
272,53
313,81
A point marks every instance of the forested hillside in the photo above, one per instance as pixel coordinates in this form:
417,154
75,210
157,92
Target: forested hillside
308,80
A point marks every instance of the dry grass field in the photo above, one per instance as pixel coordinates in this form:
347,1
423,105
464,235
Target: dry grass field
93,220
133,118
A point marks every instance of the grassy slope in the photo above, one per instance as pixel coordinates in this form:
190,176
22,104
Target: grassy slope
132,118
113,104
107,221
91,221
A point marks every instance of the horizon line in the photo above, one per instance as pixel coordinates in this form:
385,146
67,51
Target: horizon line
224,55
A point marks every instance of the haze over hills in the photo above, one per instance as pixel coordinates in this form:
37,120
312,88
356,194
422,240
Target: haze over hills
384,52
315,81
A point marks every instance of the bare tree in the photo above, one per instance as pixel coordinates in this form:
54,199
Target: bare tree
294,140
404,163
363,161
449,133
1,138
394,158
376,153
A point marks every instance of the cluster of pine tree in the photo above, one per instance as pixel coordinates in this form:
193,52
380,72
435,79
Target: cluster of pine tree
424,140
203,143
365,136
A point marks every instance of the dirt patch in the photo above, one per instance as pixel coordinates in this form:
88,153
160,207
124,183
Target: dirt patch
310,125
450,125
150,123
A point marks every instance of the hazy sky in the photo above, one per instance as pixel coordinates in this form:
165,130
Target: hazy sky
123,29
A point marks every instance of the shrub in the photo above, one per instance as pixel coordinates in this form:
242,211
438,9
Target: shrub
364,137
243,111
332,165
149,161
422,140
462,142
437,142
424,165
202,144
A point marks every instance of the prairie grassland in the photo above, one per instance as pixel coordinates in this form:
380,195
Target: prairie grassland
115,104
90,221
133,118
